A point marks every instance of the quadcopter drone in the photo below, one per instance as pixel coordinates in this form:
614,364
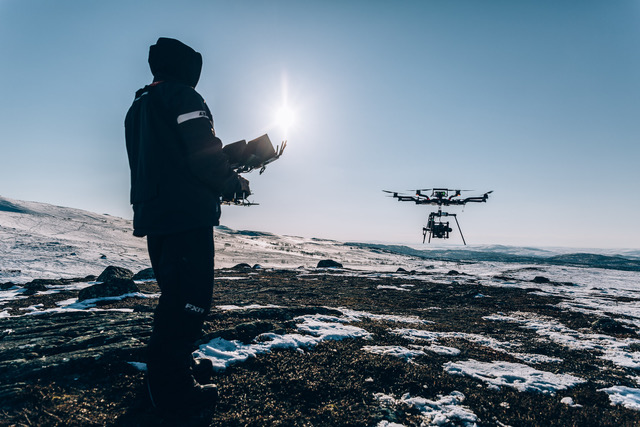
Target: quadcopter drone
245,156
435,227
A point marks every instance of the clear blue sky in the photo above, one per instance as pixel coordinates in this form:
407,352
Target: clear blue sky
537,100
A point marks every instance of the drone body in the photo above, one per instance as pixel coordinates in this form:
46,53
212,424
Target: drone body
437,228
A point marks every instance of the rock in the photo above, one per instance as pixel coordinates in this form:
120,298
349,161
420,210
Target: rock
47,282
329,263
256,267
241,266
34,287
401,270
146,274
453,273
113,272
540,279
610,326
111,288
7,285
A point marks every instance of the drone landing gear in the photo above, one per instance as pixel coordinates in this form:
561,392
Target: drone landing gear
439,229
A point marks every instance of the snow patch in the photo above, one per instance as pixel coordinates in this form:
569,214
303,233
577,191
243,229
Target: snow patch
433,337
318,328
393,350
446,410
536,358
73,305
354,315
397,288
515,375
613,349
569,402
625,396
142,367
246,307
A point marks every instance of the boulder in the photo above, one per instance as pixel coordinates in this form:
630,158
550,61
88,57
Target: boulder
329,263
241,266
113,272
146,274
111,288
540,279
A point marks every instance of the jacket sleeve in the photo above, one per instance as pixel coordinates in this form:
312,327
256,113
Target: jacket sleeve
203,149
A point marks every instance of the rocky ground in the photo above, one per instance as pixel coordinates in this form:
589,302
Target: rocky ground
73,368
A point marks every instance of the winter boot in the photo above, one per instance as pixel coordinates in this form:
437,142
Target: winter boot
171,395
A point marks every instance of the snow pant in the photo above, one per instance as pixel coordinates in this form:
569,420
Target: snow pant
183,266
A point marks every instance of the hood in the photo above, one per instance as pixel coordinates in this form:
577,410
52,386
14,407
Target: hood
170,59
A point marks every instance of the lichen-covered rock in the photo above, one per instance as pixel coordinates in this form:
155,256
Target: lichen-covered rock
111,288
113,272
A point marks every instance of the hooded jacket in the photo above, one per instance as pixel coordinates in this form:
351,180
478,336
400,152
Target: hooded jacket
178,169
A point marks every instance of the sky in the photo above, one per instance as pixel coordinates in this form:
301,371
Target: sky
536,100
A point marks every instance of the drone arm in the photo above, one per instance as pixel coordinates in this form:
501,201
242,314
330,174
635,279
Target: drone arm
473,199
402,198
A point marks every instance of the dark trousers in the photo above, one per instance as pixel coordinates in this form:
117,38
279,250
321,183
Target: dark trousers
183,266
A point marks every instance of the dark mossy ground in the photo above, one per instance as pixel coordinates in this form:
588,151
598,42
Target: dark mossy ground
71,369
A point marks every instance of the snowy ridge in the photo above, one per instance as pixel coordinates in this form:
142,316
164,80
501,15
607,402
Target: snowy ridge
38,240
623,259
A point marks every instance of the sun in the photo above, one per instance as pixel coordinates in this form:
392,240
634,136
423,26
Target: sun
285,117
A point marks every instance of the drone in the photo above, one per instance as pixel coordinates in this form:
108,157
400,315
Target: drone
437,228
245,157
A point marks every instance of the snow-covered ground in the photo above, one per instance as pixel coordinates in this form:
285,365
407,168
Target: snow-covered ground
44,241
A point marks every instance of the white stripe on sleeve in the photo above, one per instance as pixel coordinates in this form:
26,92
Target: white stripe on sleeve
192,115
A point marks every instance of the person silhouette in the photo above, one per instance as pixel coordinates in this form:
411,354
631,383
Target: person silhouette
179,174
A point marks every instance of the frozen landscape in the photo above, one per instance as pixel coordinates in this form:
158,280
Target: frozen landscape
396,335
